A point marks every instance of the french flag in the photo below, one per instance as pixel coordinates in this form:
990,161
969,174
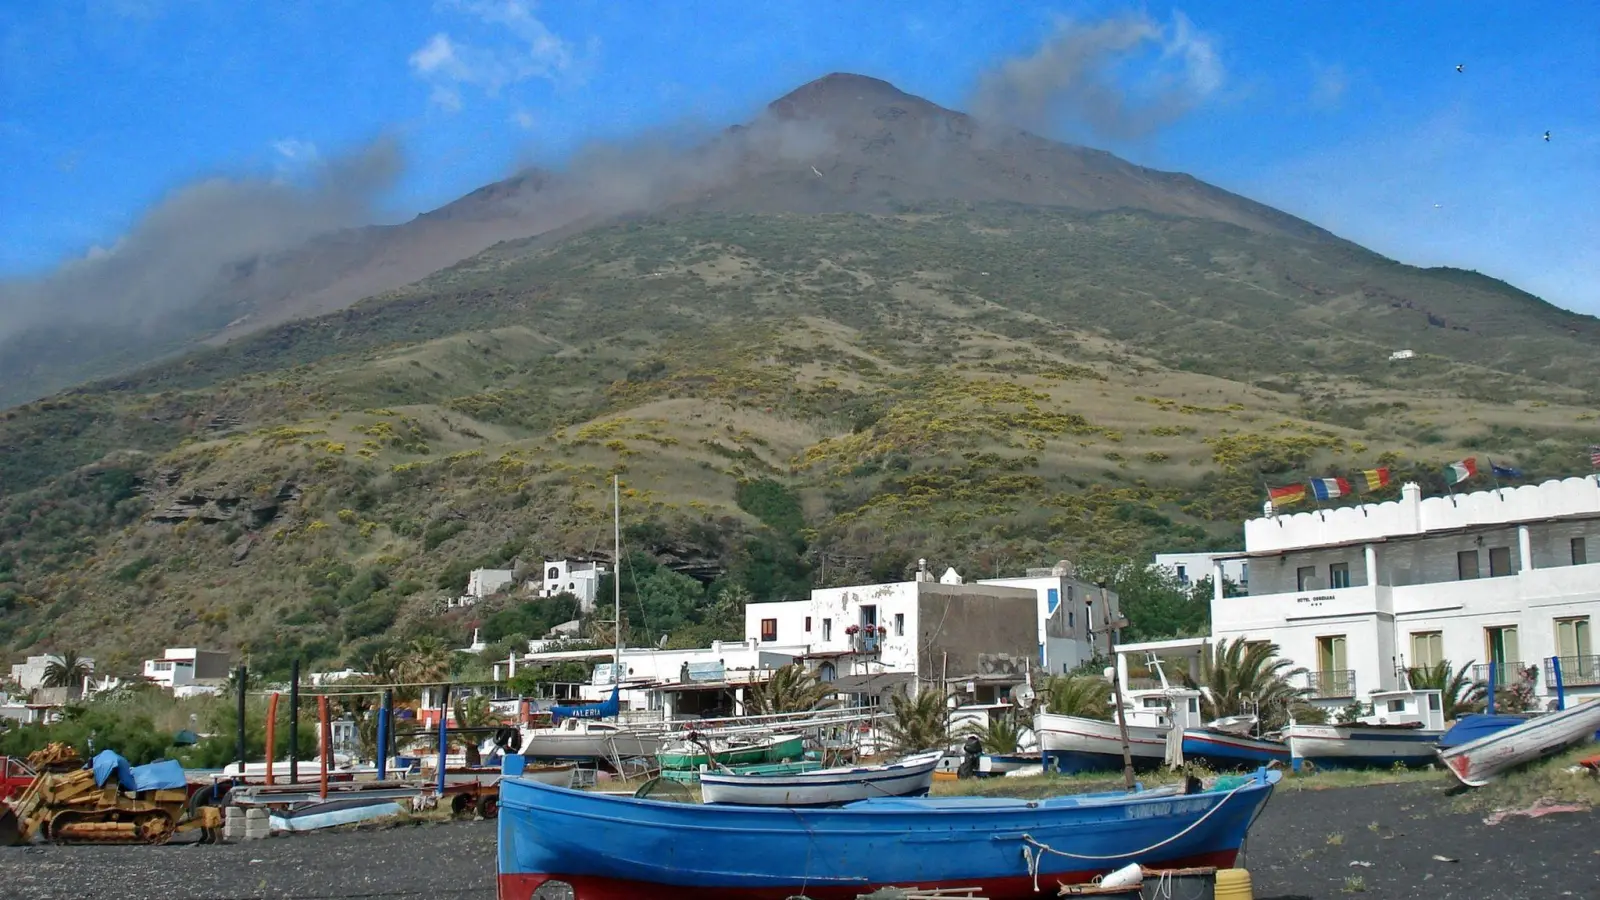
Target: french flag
1329,488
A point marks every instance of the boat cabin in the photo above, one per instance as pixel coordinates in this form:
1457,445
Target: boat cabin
1414,708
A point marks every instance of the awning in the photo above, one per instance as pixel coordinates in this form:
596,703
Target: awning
872,685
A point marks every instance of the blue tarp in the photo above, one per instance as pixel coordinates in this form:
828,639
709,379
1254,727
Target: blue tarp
165,774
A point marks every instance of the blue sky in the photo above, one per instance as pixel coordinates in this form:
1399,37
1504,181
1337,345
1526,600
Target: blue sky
1351,115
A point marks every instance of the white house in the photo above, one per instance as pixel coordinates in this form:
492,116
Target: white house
1360,595
980,634
181,667
29,675
1190,568
1064,627
579,578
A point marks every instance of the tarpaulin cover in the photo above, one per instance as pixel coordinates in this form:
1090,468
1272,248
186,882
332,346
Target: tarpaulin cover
165,774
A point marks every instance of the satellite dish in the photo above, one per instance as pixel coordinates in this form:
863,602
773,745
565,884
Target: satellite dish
1110,673
1023,694
661,642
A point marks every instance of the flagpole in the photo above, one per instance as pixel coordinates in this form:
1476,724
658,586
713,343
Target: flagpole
1493,475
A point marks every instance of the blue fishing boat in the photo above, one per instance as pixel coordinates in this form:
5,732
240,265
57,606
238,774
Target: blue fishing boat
619,848
1222,751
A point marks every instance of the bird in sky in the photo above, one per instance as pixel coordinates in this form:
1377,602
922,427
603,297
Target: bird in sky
1461,68
1547,137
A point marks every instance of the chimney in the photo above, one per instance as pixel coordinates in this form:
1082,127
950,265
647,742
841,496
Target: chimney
922,570
1411,506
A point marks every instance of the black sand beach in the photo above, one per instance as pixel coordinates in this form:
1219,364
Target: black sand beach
1308,845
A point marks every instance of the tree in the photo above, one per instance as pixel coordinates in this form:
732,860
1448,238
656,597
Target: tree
1084,696
791,689
68,670
473,714
1244,671
918,723
1155,603
426,661
1459,693
1001,734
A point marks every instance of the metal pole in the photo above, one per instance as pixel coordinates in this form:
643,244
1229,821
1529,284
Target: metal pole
272,724
1561,688
294,720
243,676
444,734
1494,675
383,735
616,575
327,741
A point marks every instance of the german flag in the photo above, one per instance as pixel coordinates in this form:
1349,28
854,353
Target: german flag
1283,496
1375,478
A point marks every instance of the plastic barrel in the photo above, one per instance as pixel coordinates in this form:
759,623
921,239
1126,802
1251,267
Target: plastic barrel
1233,884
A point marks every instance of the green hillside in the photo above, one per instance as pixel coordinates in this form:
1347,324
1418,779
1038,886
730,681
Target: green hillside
990,387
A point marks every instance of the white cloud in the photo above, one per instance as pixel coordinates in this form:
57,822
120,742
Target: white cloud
1328,84
295,150
522,119
521,48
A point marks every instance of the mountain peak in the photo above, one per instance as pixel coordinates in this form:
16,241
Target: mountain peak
831,93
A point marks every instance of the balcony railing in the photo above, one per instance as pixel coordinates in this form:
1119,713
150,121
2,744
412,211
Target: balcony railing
1332,684
1409,674
1505,673
1575,670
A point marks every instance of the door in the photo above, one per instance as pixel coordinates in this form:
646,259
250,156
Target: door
1503,653
1333,670
1573,647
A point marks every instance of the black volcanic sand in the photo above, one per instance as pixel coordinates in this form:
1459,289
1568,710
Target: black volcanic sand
1301,849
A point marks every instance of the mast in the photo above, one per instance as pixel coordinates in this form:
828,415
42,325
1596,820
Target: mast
616,575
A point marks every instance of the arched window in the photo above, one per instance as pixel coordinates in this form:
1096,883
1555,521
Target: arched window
826,672
553,574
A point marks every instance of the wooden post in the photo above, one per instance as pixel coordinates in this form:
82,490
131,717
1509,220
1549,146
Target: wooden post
294,720
1116,691
327,741
244,677
272,722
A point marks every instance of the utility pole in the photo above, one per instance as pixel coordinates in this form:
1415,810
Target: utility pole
1116,679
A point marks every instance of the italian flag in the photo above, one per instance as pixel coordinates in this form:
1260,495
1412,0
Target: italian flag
1461,470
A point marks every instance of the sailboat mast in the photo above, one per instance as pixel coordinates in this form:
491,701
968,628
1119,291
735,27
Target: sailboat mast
616,573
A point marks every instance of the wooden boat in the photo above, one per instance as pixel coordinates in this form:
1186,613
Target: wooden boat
1231,743
1403,729
587,739
331,812
909,777
1476,763
999,764
736,750
618,848
1072,744
1473,726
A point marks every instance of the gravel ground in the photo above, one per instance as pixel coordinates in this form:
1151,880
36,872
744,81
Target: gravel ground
1307,846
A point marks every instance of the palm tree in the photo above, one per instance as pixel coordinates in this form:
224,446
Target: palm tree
1084,696
1240,672
1460,694
384,665
919,723
790,689
474,714
1001,734
68,670
426,661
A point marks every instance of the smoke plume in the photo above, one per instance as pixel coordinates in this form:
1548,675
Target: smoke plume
183,247
1080,78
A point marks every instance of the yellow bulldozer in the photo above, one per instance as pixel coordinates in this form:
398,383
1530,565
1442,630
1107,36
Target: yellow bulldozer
66,806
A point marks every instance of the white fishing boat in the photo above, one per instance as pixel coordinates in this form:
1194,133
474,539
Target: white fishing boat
1403,728
1478,762
909,777
1071,744
997,764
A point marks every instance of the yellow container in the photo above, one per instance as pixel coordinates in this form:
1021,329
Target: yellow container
1233,884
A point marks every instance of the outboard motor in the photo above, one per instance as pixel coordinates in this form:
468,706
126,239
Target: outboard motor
970,751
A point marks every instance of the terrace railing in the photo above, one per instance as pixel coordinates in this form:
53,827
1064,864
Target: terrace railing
1575,671
1332,684
1505,673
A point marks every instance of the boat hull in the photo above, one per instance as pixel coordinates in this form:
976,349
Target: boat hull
788,748
1361,746
1006,763
828,787
1069,745
609,848
1221,751
1478,762
579,747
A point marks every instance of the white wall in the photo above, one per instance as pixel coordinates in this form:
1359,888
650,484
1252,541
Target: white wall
483,582
832,610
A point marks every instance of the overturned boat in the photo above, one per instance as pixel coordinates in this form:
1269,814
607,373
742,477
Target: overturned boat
612,848
1478,762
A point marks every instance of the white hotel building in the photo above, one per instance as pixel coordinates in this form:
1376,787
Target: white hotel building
1357,594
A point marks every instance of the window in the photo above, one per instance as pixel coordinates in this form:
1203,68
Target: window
1427,649
1580,553
808,624
1306,578
1499,561
1072,619
1502,646
899,624
1244,573
827,629
826,672
1572,638
1339,575
1183,574
769,629
1467,565
1330,654
553,573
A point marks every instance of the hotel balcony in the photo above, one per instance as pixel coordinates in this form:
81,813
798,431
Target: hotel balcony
1576,671
1332,685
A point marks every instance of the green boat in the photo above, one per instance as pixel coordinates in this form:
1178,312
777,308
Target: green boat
690,755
